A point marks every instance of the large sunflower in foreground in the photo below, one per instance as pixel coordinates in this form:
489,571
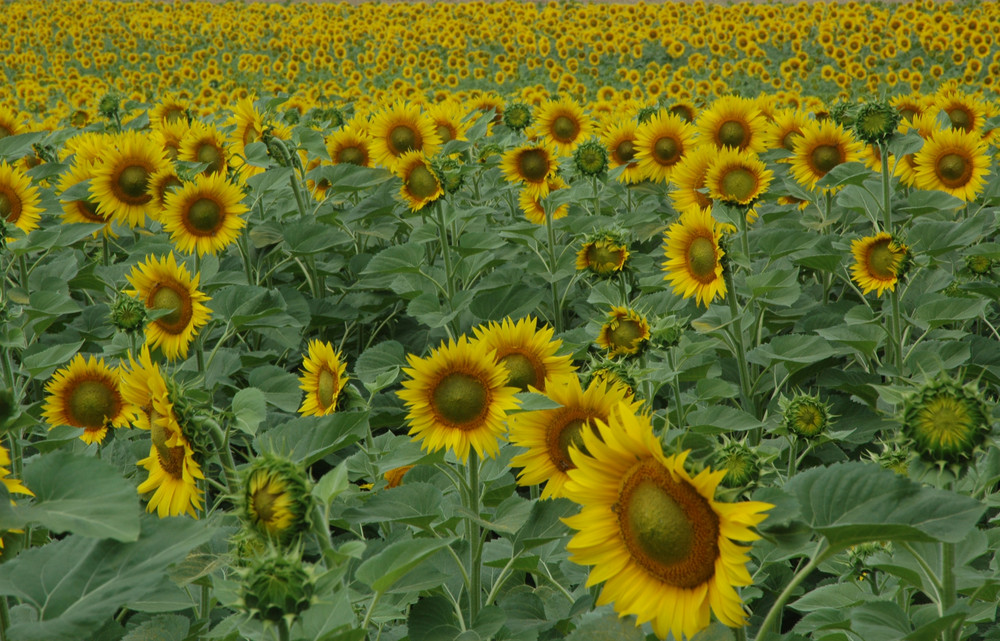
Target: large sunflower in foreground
399,129
85,394
694,258
732,121
660,143
737,177
323,378
121,184
563,123
457,398
548,434
165,285
19,199
953,161
204,215
878,261
528,354
658,540
821,147
421,185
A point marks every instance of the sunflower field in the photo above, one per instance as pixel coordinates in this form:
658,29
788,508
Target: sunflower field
493,320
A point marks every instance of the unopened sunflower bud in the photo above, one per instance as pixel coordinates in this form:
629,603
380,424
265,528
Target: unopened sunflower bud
591,158
980,265
876,122
277,587
741,463
946,422
276,499
805,415
128,314
517,116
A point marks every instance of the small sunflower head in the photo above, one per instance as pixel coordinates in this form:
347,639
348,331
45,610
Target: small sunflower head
945,422
591,158
276,499
128,314
604,253
876,122
450,172
517,116
805,415
646,114
110,105
489,151
624,333
980,265
278,586
742,464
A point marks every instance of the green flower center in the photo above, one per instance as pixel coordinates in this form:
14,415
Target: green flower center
565,129
422,183
825,158
945,426
666,151
702,260
204,217
874,123
326,389
592,160
733,133
7,207
173,114
522,371
788,141
178,302
603,258
571,434
534,164
91,403
444,132
626,335
351,155
213,156
739,184
134,181
460,399
403,139
809,420
669,528
960,119
954,170
625,151
882,260
249,136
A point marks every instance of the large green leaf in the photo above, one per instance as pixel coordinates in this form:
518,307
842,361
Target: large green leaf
77,494
77,583
307,439
851,503
396,559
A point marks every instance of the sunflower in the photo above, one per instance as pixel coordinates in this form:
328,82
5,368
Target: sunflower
161,183
350,145
532,205
737,177
144,390
205,144
170,109
660,143
458,398
910,105
421,185
562,123
532,165
906,166
821,147
625,333
694,258
401,128
323,378
548,434
655,535
603,255
953,161
165,285
248,127
121,184
966,113
84,210
878,261
447,118
276,499
785,127
19,199
173,470
620,141
85,394
88,147
10,124
204,215
732,121
168,136
529,355
688,178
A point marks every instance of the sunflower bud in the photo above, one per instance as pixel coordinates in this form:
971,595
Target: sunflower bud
604,253
667,331
450,173
277,587
276,499
110,105
805,415
980,265
128,314
646,114
893,457
946,422
292,116
741,463
196,426
517,116
613,374
841,114
488,151
591,158
876,122
277,150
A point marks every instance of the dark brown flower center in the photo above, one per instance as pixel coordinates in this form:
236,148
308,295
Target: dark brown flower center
788,141
667,151
212,155
403,139
177,301
960,119
625,151
133,182
445,133
882,260
570,433
351,155
954,170
534,164
10,206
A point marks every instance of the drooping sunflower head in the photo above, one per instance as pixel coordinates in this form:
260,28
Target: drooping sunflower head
85,394
945,421
694,258
737,177
735,122
529,355
402,128
879,262
421,185
603,253
953,161
591,158
548,435
323,379
624,333
278,587
121,184
805,415
562,123
655,535
19,199
276,500
457,398
205,215
821,147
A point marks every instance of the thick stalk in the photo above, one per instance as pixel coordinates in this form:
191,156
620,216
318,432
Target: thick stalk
895,328
675,383
597,197
105,253
556,305
746,393
819,556
473,535
283,634
886,192
4,618
449,274
221,440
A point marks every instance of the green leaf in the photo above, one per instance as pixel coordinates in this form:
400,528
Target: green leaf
20,145
396,559
280,388
605,624
41,363
544,524
719,419
432,619
305,238
531,402
793,350
864,338
775,286
332,484
78,494
76,584
836,595
851,503
846,173
946,311
882,620
513,300
307,439
379,359
249,410
397,259
162,628
416,504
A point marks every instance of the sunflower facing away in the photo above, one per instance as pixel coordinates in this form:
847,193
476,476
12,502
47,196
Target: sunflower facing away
121,184
204,215
953,161
458,398
276,498
19,200
694,258
737,177
533,206
528,354
85,394
877,262
165,285
660,143
420,184
401,128
655,536
821,147
625,333
173,470
548,434
323,378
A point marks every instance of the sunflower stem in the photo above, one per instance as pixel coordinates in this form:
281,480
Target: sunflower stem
895,329
4,618
283,634
449,279
474,534
886,192
675,383
22,263
221,440
297,190
597,197
822,553
556,304
105,251
746,393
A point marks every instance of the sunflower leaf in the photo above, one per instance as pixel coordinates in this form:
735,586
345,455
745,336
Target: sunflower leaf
847,173
385,568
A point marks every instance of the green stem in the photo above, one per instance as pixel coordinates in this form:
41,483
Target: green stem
4,618
886,192
744,238
474,534
368,614
931,574
105,252
283,634
819,556
895,329
556,305
948,591
297,190
746,393
675,383
449,274
597,197
22,263
221,440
